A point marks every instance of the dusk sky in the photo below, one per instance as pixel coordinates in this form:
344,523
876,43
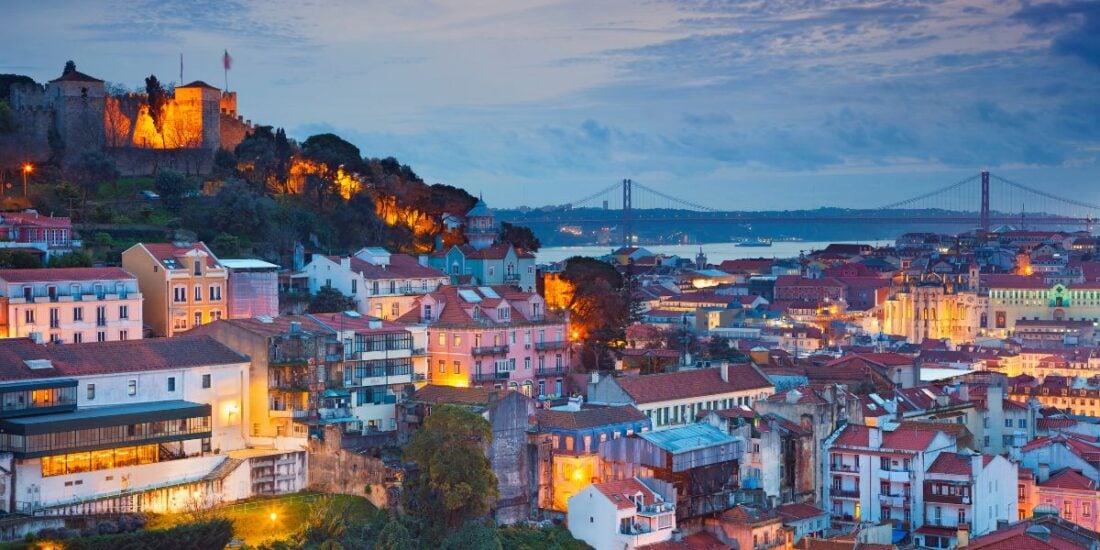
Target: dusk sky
744,104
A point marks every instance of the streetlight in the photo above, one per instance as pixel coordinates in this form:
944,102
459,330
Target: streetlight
27,169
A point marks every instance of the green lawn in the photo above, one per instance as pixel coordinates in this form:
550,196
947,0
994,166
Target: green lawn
253,522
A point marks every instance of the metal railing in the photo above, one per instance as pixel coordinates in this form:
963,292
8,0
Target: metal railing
488,350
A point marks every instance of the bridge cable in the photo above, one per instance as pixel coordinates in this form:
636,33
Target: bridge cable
1044,194
676,200
929,194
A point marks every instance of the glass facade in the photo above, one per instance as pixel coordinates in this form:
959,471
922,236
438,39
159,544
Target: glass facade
105,459
25,399
69,437
381,342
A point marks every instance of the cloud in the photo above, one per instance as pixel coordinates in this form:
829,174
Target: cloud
1076,25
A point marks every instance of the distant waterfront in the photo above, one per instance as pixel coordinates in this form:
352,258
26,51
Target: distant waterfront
716,252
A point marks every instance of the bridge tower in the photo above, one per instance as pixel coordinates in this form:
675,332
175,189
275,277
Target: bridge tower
985,201
627,214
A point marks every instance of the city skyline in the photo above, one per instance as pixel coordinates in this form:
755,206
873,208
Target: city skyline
848,103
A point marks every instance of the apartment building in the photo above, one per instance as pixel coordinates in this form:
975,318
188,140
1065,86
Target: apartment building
383,285
183,285
70,305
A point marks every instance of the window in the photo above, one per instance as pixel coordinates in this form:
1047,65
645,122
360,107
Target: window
427,312
78,337
1086,509
458,367
198,266
179,294
123,335
91,392
171,383
216,292
198,293
442,367
131,387
28,316
1021,423
884,463
395,310
123,312
354,288
1008,422
526,363
198,318
101,336
206,381
101,316
55,317
457,341
78,314
962,516
442,338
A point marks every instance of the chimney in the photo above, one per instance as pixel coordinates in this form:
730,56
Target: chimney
874,437
295,327
1044,473
962,536
964,392
1038,531
345,263
976,460
724,368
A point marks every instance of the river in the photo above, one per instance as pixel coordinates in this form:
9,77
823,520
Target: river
716,252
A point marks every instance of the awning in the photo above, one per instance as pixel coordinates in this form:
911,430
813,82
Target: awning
104,417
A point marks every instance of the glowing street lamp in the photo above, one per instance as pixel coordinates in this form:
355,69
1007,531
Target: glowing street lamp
27,169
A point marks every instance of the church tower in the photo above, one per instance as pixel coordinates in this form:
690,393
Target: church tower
481,226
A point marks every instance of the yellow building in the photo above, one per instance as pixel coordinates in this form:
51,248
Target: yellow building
183,285
934,310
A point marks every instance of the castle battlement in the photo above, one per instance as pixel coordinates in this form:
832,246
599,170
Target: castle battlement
197,117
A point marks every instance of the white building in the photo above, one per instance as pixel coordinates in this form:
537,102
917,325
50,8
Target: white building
621,515
383,285
70,305
148,425
966,491
876,474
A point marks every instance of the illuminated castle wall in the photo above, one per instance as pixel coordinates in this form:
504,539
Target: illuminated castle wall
196,121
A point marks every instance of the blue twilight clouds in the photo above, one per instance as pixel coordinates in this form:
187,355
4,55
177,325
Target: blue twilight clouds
753,104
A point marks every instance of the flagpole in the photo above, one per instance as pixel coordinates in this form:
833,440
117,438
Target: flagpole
181,68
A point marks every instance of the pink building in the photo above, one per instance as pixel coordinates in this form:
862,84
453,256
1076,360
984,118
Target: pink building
495,336
1075,496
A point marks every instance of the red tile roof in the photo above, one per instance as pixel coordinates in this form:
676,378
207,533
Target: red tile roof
164,251
954,464
621,491
437,394
798,511
112,357
699,541
692,383
50,275
1067,478
589,417
33,218
903,439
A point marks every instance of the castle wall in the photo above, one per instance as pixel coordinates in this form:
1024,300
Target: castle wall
137,161
233,130
28,142
79,114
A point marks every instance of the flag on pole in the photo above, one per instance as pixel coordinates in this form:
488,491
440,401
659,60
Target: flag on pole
226,63
181,68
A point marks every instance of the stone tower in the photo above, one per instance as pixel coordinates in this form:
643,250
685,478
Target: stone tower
481,226
77,102
199,107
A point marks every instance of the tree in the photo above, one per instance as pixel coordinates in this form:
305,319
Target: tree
332,151
473,536
173,187
91,169
158,99
70,67
257,159
454,482
519,236
330,300
76,258
18,259
225,163
600,307
8,125
395,536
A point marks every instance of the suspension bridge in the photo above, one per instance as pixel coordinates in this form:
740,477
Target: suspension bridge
983,200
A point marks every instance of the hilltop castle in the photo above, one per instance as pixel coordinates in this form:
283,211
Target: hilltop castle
74,113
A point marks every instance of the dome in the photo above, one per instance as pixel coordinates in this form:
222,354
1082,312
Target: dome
479,210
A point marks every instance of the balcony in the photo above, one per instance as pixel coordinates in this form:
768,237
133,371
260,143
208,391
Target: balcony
945,498
837,492
419,352
511,277
556,344
552,371
844,468
479,351
490,376
288,413
893,501
656,509
897,476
